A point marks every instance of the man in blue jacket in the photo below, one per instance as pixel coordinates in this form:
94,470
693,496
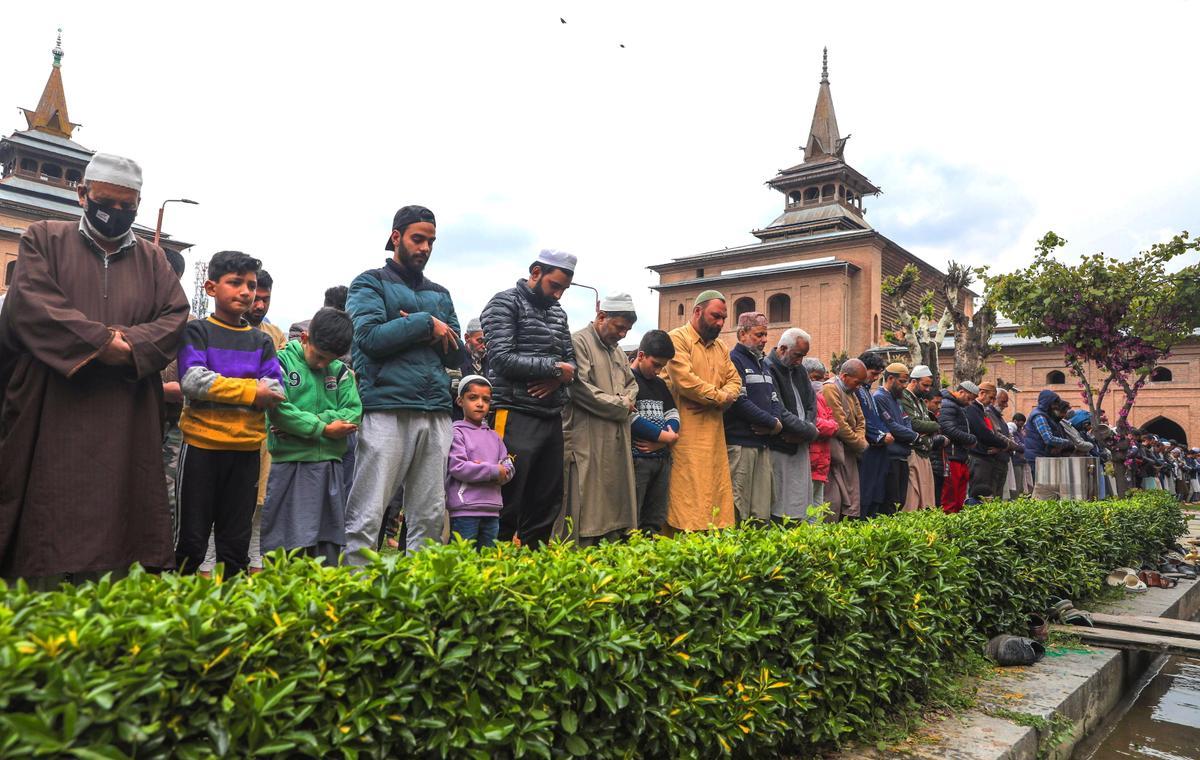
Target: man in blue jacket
873,466
897,422
405,338
749,423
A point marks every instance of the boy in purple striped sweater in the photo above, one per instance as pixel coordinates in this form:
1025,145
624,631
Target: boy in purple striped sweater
229,375
477,466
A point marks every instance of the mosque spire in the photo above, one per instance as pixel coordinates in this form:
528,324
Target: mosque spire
50,116
824,139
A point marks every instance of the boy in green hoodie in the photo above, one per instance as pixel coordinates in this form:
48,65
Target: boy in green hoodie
305,506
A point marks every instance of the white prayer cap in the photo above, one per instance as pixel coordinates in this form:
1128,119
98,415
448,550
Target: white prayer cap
468,380
473,326
115,170
919,372
617,302
560,259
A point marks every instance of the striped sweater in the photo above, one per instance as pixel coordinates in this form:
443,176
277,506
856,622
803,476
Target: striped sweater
219,370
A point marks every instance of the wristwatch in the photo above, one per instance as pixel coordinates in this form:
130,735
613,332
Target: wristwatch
558,370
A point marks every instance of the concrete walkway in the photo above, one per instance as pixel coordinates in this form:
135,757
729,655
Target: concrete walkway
1079,683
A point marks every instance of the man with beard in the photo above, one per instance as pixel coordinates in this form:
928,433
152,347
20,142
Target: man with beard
93,315
405,337
921,491
989,459
791,468
472,364
530,363
873,465
848,443
704,383
896,420
601,486
754,417
952,419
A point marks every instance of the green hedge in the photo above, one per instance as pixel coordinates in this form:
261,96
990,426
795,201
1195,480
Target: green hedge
747,640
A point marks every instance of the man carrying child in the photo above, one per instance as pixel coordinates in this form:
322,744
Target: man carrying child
306,494
229,375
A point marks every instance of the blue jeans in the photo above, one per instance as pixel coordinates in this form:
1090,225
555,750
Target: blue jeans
481,530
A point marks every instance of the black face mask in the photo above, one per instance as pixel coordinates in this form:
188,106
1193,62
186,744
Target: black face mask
109,221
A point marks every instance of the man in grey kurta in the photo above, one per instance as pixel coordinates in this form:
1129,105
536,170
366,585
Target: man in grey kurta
790,464
600,487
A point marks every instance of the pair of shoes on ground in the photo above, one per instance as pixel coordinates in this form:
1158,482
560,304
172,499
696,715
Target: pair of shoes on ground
1128,578
1014,650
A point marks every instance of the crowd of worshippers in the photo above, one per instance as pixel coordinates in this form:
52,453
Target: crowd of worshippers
131,433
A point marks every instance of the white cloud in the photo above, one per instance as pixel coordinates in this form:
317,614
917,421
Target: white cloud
302,129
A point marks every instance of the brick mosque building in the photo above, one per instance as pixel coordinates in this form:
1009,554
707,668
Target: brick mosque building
820,266
40,168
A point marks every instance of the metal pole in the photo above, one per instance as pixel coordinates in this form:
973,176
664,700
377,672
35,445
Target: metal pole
589,287
158,227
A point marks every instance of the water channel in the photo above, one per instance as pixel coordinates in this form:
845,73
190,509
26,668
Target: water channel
1162,721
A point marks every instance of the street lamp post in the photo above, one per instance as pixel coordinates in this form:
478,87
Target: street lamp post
589,287
158,227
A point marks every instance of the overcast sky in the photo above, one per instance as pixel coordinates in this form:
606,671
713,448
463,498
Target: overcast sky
302,127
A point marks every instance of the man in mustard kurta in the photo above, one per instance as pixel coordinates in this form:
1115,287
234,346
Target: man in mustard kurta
704,383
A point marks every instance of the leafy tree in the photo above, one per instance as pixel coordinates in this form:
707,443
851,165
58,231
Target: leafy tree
1115,320
924,335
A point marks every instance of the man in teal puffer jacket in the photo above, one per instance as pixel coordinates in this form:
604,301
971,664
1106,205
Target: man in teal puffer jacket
405,337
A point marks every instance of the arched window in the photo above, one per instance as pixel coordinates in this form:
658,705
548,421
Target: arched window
827,191
679,311
795,197
1161,375
742,305
28,165
841,191
9,269
779,308
811,195
1055,377
74,176
51,170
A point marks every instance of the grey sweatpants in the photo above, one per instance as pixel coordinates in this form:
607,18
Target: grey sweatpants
398,447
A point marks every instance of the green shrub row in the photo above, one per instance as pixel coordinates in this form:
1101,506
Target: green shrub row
737,642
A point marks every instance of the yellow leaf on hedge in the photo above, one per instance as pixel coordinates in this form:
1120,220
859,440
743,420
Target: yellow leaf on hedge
26,648
73,637
397,718
331,613
778,685
278,621
724,743
344,729
681,637
745,730
683,656
135,649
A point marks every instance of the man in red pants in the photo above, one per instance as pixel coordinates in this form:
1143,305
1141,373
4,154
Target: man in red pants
952,419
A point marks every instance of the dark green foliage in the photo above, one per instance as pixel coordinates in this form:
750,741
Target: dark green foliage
747,641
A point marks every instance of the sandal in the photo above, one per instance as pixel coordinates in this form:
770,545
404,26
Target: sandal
1120,576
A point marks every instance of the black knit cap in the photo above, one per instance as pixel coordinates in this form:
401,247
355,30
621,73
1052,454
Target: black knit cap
406,216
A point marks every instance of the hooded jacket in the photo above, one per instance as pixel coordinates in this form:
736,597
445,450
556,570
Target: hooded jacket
952,419
1038,443
827,427
472,471
526,339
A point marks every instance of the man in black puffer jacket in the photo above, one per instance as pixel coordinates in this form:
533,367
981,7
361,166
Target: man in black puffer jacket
952,419
530,364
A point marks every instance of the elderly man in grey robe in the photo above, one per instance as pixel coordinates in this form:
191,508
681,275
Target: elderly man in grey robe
790,462
600,484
